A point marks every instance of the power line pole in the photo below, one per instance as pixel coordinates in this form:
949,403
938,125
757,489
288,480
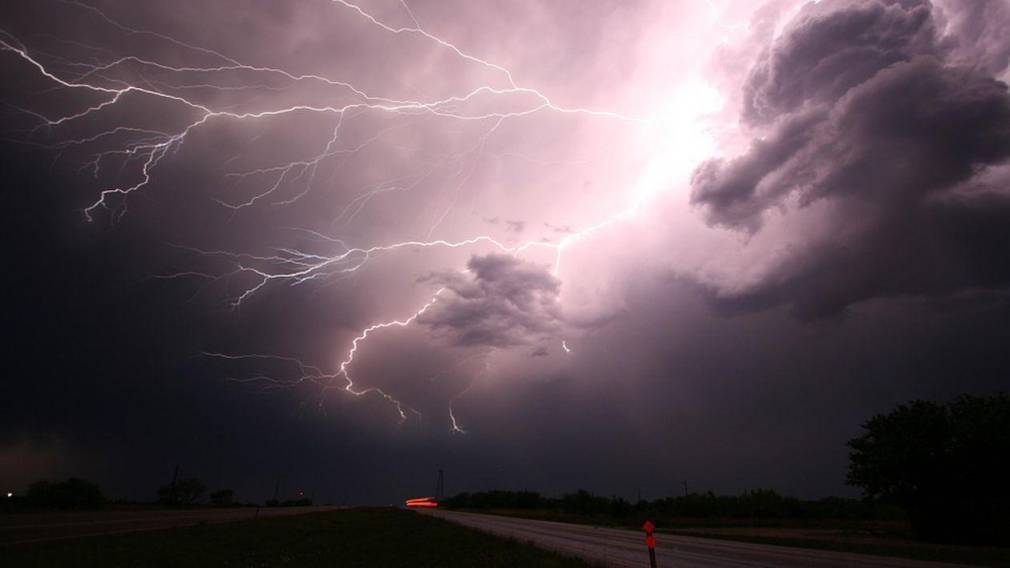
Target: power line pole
440,485
175,477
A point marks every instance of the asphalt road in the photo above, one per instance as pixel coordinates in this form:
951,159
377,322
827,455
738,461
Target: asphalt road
44,527
616,547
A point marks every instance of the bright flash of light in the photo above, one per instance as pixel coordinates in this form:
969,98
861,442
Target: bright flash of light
673,137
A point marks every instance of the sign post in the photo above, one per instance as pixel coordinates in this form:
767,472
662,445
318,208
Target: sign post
650,541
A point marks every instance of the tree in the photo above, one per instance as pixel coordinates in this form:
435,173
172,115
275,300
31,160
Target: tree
182,492
945,463
73,493
222,498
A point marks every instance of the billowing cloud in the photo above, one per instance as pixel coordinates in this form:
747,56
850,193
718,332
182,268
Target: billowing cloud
737,191
859,108
977,33
499,301
830,48
846,155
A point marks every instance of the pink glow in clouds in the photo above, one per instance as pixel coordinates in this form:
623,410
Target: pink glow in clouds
473,190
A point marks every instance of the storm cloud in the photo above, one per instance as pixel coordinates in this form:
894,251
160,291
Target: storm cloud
863,110
501,301
539,245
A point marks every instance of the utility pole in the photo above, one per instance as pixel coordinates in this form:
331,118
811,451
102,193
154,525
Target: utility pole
171,492
685,487
440,485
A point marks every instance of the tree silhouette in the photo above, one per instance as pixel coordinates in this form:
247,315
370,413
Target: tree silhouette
73,493
222,498
182,492
945,463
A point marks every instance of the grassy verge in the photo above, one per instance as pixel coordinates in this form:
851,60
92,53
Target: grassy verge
870,537
979,556
349,538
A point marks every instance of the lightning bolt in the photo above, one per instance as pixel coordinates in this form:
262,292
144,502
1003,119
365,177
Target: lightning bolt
313,374
149,148
346,363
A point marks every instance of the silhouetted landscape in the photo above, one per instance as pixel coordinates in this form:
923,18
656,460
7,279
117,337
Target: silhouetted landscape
691,283
929,472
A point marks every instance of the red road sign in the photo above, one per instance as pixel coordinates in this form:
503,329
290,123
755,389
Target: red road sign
650,541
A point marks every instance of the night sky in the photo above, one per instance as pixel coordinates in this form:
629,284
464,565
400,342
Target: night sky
541,245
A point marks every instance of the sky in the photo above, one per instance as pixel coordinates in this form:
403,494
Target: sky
334,246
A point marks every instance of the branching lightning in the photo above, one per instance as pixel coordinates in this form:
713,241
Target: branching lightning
148,148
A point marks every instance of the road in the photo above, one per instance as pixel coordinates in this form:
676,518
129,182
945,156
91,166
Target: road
624,548
44,527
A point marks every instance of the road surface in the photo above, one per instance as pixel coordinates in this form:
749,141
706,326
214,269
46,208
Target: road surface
44,527
617,547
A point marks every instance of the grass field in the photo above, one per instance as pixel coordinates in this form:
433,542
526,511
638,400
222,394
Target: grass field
349,538
845,541
883,538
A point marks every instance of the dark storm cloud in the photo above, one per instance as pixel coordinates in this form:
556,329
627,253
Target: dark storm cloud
104,378
979,34
888,144
831,47
500,301
738,190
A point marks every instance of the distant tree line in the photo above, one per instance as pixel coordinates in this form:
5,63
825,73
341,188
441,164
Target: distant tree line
303,502
80,494
72,494
758,504
945,467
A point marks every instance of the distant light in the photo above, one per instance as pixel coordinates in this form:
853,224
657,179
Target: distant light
423,502
10,494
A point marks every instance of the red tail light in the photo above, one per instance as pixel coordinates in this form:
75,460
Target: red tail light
421,502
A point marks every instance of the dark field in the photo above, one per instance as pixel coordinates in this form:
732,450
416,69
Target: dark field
347,538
